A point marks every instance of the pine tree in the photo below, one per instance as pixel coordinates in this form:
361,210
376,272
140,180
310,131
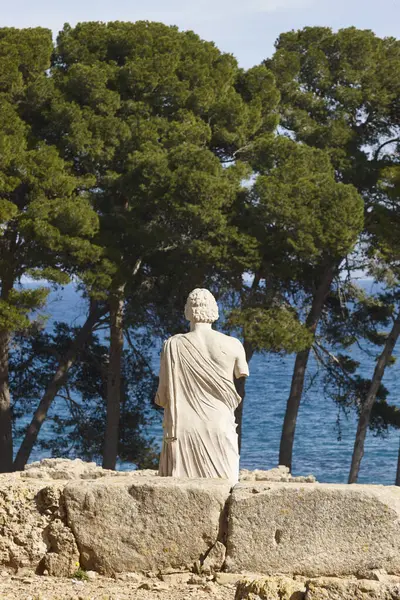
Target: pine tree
339,93
155,122
45,221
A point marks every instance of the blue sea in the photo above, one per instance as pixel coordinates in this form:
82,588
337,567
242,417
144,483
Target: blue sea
317,449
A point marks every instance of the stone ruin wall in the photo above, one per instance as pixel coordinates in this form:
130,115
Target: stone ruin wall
58,514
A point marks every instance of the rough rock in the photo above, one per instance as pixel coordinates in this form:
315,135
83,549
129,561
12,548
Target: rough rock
313,529
59,468
144,523
131,577
153,586
228,579
214,559
285,588
62,558
91,575
176,578
15,587
102,588
381,575
59,514
336,589
281,474
270,588
21,524
65,469
33,535
377,575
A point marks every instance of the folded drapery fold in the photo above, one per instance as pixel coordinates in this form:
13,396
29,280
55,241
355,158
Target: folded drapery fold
200,438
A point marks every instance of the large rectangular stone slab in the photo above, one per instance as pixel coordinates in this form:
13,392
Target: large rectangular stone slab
313,529
144,523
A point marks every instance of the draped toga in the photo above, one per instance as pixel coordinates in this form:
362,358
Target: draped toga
200,438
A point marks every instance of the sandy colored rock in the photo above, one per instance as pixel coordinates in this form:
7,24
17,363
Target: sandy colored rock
176,578
214,559
153,586
32,532
228,579
278,474
144,523
130,588
102,588
91,575
62,558
59,468
21,524
336,589
313,529
134,578
270,588
377,575
65,469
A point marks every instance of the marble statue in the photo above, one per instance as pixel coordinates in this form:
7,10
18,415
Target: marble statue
198,394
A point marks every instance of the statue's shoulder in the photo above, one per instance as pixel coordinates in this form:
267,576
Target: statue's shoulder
173,340
176,337
229,339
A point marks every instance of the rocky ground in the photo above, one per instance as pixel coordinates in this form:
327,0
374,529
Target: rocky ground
187,586
128,586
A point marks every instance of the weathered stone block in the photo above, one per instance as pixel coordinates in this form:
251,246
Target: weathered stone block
270,588
144,523
215,559
313,529
280,473
66,469
33,535
335,589
62,558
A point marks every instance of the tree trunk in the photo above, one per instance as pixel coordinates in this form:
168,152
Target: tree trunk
299,371
240,385
398,468
54,386
366,408
110,452
6,441
292,409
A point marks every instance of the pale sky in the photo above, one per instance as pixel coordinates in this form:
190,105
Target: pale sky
246,28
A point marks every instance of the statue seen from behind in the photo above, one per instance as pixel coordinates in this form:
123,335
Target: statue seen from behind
198,394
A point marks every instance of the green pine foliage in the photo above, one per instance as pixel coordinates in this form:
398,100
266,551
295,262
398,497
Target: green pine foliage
154,118
46,222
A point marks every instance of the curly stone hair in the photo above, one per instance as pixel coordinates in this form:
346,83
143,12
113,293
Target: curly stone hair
201,306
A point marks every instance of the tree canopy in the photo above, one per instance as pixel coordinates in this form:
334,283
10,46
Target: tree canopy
141,161
47,222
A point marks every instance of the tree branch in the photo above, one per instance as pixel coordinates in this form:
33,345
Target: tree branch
376,155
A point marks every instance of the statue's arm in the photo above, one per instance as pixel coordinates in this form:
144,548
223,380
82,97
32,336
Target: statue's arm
162,391
241,366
